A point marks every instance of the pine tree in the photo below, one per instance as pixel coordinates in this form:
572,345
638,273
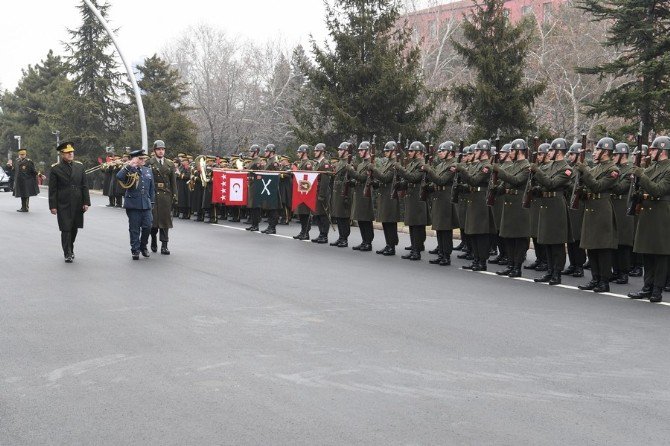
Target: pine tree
163,93
641,28
97,80
496,50
369,82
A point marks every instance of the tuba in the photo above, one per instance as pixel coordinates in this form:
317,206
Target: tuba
201,167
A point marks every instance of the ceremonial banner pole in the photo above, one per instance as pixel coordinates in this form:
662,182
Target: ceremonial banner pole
131,76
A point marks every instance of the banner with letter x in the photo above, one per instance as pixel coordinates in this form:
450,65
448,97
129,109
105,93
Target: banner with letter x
266,190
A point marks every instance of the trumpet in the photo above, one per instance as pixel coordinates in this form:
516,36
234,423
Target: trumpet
94,169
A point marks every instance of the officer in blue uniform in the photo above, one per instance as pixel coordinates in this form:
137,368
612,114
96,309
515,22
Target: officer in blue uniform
140,196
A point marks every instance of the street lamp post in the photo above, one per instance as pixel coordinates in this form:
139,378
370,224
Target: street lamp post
57,133
131,75
18,138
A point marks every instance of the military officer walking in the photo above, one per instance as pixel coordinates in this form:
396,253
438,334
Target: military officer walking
68,197
25,180
165,185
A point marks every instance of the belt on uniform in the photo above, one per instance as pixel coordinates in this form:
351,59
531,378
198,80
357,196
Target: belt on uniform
551,194
512,191
591,196
478,189
160,185
442,187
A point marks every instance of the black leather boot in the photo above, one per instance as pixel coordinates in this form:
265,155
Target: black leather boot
591,285
154,244
656,295
436,261
544,279
569,270
602,287
390,252
506,271
622,280
644,293
579,272
164,249
555,278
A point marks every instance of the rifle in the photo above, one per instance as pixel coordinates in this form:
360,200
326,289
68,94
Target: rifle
367,190
528,191
423,195
576,188
634,198
350,157
490,193
395,193
455,192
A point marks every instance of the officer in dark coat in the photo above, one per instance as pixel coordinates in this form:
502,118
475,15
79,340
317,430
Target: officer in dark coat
140,197
654,220
599,229
183,193
25,180
553,227
444,216
515,219
272,165
321,214
341,197
361,210
388,204
416,210
68,197
576,255
165,185
108,178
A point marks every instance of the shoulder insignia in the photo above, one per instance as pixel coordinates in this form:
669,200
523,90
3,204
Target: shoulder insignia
326,166
614,174
568,172
168,160
485,169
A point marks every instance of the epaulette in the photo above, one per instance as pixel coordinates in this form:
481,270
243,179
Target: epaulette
169,160
78,162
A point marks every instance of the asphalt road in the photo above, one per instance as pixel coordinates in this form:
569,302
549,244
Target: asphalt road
242,338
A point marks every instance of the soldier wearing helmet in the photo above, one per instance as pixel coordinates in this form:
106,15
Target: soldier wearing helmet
272,164
388,205
599,231
542,162
463,194
576,255
341,197
416,210
361,210
445,215
515,219
625,224
302,211
320,214
553,227
653,220
479,224
255,163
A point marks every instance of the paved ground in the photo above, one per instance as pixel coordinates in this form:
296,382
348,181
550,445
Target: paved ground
241,338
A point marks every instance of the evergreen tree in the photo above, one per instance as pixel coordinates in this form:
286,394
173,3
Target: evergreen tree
496,50
163,94
641,28
369,82
97,81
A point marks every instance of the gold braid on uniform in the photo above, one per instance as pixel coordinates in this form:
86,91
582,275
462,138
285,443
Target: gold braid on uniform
132,180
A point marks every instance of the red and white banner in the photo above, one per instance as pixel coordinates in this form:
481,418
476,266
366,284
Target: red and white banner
305,186
230,188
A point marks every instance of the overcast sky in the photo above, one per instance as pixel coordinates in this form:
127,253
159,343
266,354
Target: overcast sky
31,27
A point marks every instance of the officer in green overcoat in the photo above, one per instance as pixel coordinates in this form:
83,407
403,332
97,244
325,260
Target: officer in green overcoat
543,163
361,209
654,220
388,205
165,185
416,210
25,180
302,211
341,197
576,255
320,216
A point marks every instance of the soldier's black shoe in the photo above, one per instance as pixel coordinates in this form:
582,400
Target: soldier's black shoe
253,229
343,244
589,286
479,266
503,261
320,240
644,293
366,247
446,261
505,272
390,251
470,266
357,247
602,287
416,255
145,252
136,255
497,260
532,265
569,270
305,236
336,242
542,266
635,271
465,255
299,236
436,261
460,246
622,280
270,231
544,279
579,272
516,272
69,258
382,251
615,276
555,279
154,245
409,255
433,251
22,210
164,249
656,295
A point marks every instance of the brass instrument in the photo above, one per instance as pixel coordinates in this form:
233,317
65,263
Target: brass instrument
201,167
94,169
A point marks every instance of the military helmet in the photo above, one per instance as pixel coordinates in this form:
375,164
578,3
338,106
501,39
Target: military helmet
662,142
506,148
606,144
559,144
159,144
343,146
390,146
575,148
255,148
467,150
544,148
320,147
621,148
365,145
518,144
270,148
417,146
303,148
448,146
484,144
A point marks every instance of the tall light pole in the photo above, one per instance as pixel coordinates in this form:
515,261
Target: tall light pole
18,138
57,133
131,76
